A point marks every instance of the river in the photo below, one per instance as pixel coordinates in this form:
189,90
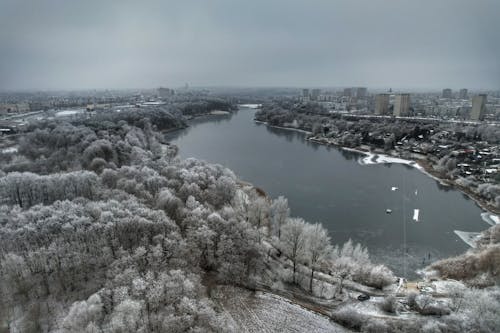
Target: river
328,185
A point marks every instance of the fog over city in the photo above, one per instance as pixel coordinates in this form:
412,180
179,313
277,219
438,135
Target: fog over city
231,166
425,44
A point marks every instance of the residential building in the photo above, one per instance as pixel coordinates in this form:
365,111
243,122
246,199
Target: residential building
315,94
478,107
402,105
165,92
361,92
382,104
463,94
305,93
447,93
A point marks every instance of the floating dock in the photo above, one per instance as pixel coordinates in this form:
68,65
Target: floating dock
416,212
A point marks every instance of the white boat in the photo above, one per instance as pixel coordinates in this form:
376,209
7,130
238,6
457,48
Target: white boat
415,214
416,192
394,188
388,211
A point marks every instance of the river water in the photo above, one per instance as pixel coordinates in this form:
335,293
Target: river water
328,185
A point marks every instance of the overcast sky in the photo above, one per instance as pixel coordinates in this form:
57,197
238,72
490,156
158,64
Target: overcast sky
130,44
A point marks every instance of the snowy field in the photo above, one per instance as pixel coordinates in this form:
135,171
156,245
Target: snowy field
9,150
264,312
67,113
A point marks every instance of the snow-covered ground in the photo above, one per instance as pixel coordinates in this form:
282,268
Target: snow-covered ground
68,113
446,286
263,312
9,150
152,103
251,106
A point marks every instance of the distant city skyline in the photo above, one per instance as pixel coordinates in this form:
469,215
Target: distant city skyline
404,45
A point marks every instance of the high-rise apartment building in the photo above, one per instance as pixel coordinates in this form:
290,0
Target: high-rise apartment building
463,94
165,92
361,92
305,93
402,105
478,107
315,94
382,104
447,93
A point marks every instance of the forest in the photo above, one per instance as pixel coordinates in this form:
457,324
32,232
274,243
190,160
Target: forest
104,229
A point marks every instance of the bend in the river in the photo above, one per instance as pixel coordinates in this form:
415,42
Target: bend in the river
328,185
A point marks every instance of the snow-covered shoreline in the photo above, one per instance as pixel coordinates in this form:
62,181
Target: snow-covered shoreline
490,218
372,158
282,127
250,106
470,238
381,158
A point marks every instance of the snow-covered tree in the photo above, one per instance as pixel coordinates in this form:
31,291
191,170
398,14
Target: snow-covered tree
279,212
317,248
293,241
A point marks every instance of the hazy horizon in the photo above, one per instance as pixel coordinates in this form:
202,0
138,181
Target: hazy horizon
403,45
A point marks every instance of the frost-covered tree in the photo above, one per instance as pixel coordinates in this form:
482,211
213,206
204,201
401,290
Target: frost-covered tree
279,212
258,211
317,248
83,316
293,241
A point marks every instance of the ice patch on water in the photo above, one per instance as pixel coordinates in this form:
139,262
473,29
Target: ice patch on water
491,219
371,158
470,238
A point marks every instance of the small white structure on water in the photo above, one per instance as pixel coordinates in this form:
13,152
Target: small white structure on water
394,188
415,214
470,238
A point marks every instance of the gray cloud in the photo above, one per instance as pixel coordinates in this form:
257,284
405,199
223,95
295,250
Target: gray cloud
58,44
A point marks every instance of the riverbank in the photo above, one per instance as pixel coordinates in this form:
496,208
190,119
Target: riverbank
420,164
425,167
215,113
210,113
284,128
